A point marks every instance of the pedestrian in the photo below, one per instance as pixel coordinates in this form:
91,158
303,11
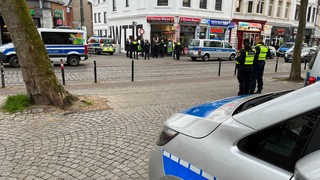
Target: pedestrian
262,52
147,46
127,47
131,48
244,64
142,47
161,48
134,48
155,50
177,50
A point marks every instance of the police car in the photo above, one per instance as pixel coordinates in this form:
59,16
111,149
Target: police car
68,45
313,72
206,49
244,137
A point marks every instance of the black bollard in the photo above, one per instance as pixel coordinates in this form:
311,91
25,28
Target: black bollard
2,74
305,63
219,67
276,69
235,69
95,71
62,72
132,71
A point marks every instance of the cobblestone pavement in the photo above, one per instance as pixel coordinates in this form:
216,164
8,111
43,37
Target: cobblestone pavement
105,144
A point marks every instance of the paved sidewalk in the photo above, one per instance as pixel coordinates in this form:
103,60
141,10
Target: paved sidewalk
106,144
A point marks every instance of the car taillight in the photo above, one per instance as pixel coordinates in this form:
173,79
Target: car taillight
166,135
311,80
101,41
85,49
199,51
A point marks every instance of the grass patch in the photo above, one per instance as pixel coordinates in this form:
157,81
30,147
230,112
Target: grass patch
88,103
16,103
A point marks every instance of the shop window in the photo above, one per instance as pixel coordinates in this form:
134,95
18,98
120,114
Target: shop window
186,3
218,6
203,4
284,143
238,5
162,3
270,8
260,6
250,3
114,5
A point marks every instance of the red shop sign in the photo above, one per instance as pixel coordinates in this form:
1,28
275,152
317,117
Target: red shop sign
189,20
160,19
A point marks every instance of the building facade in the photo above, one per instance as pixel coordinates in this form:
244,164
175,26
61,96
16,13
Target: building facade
182,20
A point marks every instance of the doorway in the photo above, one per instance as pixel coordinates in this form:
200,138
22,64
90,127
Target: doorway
251,37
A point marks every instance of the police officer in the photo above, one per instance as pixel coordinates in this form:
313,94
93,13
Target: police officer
146,49
245,67
127,47
177,50
262,52
134,49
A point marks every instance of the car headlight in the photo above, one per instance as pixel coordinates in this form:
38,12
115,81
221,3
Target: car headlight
286,55
166,135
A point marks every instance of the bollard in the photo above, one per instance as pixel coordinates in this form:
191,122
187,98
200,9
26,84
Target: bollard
62,72
132,71
219,67
235,69
2,74
305,63
95,71
276,69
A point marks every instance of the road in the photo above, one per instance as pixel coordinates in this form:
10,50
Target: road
115,143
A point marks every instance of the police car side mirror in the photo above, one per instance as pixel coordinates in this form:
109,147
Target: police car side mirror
308,168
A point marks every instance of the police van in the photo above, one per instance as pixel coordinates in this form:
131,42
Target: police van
313,73
68,45
210,49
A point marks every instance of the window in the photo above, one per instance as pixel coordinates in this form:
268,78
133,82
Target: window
270,8
286,15
114,6
238,5
127,3
98,1
227,45
95,17
58,37
99,18
283,144
279,9
218,6
162,3
203,4
250,6
216,44
313,14
186,3
260,5
105,17
309,14
296,17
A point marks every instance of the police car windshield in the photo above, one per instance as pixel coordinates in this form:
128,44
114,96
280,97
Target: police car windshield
286,45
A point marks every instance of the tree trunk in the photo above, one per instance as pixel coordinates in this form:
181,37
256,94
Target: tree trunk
295,73
42,85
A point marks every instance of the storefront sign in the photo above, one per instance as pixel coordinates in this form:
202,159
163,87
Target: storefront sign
160,19
31,11
213,22
189,20
205,21
246,26
57,13
281,31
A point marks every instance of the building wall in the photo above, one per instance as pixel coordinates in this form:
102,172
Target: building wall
76,23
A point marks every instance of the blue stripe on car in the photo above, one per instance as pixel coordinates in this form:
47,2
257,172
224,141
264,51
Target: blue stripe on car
204,110
175,166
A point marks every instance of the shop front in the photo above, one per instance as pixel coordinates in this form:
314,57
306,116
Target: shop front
247,30
188,29
280,35
218,29
161,28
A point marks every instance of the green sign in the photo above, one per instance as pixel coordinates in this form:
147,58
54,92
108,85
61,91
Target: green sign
31,11
57,13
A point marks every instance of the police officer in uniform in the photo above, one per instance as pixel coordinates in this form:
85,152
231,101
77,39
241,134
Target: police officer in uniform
177,50
262,52
134,49
245,67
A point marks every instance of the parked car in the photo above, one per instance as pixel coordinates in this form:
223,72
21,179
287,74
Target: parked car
96,42
288,57
106,48
313,72
273,51
283,48
252,136
206,49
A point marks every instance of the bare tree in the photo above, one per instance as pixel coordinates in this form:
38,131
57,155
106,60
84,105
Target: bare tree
295,73
42,85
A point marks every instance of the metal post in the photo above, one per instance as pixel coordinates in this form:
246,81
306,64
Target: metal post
235,69
276,69
305,63
62,72
95,71
132,71
219,67
2,74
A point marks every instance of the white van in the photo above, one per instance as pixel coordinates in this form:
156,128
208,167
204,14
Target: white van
210,49
68,45
313,73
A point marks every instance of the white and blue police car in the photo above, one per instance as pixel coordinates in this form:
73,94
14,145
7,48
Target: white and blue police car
244,137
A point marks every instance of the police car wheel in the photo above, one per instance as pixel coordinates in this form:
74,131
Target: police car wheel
73,60
232,57
14,62
206,57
